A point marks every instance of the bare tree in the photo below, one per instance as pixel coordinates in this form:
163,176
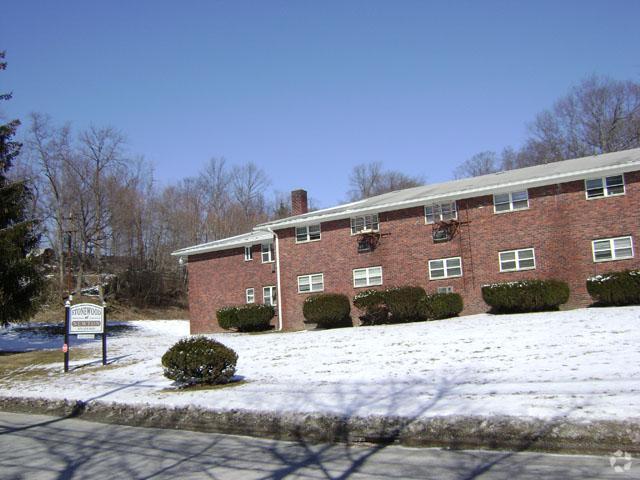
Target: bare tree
370,179
481,163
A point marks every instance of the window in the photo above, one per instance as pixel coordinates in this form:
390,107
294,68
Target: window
509,202
604,187
445,268
367,277
515,260
248,254
250,295
311,283
440,212
309,233
612,249
270,296
267,252
444,290
366,222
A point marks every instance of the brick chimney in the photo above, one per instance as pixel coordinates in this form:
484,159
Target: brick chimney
299,202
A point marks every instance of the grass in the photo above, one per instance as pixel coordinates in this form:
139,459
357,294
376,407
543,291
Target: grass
19,366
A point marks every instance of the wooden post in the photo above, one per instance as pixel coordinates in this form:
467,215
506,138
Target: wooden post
65,347
104,334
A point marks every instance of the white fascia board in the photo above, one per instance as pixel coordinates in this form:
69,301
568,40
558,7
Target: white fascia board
224,244
454,195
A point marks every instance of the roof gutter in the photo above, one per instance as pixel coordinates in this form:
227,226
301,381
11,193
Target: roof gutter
540,181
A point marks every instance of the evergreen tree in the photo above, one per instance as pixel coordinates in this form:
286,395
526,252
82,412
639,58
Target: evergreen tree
20,278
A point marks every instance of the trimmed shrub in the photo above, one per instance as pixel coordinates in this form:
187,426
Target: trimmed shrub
327,310
615,288
254,318
440,305
372,303
227,317
199,360
402,303
246,318
525,296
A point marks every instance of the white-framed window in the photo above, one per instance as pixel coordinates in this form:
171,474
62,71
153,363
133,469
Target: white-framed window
447,289
445,268
311,283
367,277
248,254
250,295
607,249
308,233
604,187
516,260
512,201
440,212
365,222
267,252
270,295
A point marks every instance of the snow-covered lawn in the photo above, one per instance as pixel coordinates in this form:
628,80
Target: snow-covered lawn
583,364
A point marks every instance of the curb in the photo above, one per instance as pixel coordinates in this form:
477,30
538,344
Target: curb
455,432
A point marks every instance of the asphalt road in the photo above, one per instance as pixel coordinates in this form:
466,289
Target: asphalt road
37,447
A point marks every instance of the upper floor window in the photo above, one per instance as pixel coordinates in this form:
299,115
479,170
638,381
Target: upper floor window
248,254
445,268
612,249
270,296
604,187
307,233
440,212
367,277
515,260
250,295
509,202
267,252
365,223
311,283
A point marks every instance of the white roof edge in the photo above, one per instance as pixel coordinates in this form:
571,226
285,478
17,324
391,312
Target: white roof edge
467,193
244,239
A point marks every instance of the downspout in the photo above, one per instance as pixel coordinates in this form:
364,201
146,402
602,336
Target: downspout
278,290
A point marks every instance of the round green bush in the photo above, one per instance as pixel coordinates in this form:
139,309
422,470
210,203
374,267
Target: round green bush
199,360
525,296
327,310
254,318
440,305
227,317
372,304
402,303
615,288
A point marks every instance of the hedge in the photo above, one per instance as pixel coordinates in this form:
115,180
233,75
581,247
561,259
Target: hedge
615,288
525,296
246,318
199,360
327,310
440,305
393,305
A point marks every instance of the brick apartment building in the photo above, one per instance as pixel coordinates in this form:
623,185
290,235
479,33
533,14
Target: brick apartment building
566,220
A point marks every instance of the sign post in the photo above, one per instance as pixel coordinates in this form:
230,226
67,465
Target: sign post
65,347
104,334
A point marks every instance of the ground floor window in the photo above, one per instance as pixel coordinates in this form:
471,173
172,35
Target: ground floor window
367,277
445,268
516,260
445,290
270,296
311,283
607,249
250,295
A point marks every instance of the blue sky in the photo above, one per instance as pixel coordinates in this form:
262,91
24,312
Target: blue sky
307,89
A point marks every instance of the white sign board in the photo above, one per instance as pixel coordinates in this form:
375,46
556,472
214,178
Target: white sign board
86,318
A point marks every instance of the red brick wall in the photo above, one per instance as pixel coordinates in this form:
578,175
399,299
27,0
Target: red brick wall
219,279
559,224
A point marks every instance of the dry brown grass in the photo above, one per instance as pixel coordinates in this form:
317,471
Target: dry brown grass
36,364
55,313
